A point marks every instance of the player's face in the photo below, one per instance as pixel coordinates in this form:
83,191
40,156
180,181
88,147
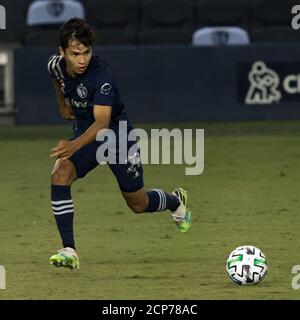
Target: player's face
77,57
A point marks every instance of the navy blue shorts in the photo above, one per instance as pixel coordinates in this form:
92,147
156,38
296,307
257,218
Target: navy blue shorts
129,175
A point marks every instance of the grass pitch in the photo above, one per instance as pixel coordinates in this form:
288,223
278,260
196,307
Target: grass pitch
247,194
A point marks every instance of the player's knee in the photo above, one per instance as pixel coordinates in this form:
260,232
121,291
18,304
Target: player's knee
62,174
137,207
137,201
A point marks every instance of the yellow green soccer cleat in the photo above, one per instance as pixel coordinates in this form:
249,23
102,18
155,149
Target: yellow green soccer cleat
66,257
182,216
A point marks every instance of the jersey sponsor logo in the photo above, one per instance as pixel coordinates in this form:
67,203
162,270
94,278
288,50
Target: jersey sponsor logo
82,91
106,88
78,104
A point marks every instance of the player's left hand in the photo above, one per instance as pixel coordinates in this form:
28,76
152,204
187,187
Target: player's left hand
64,150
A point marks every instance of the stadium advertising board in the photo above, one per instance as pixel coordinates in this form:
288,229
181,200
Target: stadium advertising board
269,83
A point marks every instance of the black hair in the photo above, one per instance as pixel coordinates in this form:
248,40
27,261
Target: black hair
78,30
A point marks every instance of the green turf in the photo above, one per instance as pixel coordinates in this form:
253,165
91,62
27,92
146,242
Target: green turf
248,194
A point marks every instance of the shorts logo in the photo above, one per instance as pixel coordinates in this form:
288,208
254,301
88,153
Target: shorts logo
264,84
106,88
82,91
134,166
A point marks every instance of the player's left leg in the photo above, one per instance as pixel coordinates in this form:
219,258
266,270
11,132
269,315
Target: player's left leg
154,200
130,180
157,200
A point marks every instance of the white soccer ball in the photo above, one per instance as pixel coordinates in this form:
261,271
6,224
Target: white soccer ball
247,265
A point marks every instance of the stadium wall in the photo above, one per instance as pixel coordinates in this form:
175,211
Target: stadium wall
177,83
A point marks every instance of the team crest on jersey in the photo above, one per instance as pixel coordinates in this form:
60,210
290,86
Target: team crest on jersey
106,88
82,91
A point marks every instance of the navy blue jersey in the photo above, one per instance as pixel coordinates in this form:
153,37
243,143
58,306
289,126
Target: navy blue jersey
96,86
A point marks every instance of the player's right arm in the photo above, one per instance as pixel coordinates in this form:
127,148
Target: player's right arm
64,109
54,69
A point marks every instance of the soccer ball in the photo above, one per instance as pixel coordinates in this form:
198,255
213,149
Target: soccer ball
246,265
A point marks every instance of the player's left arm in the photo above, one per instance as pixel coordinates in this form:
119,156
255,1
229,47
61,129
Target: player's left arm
65,149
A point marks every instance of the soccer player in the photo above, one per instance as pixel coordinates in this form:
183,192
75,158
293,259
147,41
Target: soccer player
87,93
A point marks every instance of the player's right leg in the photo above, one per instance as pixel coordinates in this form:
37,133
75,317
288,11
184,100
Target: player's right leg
63,175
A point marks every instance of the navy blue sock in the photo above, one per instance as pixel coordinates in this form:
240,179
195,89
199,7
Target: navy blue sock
62,206
160,201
